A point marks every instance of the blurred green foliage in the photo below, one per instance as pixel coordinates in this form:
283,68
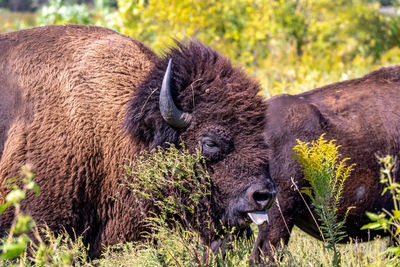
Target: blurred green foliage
56,12
290,46
61,12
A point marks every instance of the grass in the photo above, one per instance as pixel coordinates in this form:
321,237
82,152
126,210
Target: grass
302,250
173,244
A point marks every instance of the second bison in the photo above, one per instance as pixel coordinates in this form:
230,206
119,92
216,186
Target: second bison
363,116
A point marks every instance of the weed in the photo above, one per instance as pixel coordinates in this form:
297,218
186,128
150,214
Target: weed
389,221
326,175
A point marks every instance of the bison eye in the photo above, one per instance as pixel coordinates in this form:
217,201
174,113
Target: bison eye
209,146
215,144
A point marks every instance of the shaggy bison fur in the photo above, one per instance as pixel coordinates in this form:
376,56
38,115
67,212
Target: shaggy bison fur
78,100
363,116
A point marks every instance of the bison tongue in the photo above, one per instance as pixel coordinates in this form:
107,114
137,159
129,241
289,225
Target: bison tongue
258,217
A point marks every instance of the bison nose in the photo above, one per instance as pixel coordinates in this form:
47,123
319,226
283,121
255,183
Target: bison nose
263,195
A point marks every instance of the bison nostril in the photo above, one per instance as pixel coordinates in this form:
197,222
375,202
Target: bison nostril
264,198
261,196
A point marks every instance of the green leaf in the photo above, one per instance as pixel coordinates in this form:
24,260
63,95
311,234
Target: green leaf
33,186
374,216
307,191
14,249
394,250
397,232
374,226
23,225
15,196
396,214
4,207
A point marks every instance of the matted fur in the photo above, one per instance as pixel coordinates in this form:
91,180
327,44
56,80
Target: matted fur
76,101
363,116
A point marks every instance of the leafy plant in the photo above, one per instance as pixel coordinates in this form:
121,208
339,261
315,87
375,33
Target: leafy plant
54,250
178,185
388,220
326,175
17,240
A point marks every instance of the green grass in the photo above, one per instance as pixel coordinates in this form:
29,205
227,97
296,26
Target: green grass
173,244
302,250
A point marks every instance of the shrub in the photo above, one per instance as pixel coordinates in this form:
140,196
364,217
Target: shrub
61,12
178,185
290,46
56,12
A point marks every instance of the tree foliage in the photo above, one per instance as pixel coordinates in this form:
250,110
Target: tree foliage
289,45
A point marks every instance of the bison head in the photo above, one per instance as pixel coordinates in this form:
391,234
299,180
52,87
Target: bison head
195,95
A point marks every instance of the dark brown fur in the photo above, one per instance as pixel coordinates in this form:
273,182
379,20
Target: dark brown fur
78,100
363,115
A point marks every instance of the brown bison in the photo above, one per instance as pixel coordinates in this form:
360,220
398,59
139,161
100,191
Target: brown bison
363,115
78,100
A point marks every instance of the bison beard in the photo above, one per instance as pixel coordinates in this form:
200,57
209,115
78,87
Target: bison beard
363,116
78,100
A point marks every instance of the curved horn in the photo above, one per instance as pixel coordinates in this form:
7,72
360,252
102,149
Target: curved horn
171,114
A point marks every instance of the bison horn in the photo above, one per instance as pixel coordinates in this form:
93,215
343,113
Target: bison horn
171,114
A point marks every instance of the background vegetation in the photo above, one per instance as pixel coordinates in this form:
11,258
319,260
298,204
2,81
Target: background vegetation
290,46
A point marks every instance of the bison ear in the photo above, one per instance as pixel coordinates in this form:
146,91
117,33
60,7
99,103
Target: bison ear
307,118
322,120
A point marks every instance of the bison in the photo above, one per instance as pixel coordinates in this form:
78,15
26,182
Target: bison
78,100
363,115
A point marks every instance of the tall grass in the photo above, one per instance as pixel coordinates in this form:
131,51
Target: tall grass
302,250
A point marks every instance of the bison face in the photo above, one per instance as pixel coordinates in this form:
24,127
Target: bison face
202,100
234,151
243,188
